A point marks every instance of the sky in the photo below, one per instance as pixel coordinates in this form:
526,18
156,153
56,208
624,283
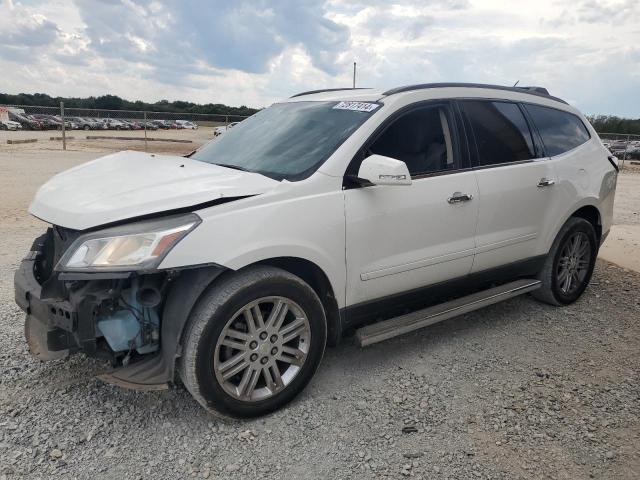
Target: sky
254,52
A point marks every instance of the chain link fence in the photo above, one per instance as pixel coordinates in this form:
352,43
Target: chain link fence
625,146
110,128
159,131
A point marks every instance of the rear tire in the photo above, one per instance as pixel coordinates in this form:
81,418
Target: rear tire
569,264
253,342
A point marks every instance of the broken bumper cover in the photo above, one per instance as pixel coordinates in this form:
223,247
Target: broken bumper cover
58,325
54,328
49,322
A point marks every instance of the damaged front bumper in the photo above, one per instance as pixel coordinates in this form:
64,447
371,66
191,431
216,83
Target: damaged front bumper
52,329
72,312
63,309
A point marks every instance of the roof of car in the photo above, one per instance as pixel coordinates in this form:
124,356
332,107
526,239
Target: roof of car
371,94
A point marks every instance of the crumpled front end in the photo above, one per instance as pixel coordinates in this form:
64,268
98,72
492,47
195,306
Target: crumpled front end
115,316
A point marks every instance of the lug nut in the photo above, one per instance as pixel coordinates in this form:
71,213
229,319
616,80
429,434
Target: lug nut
274,338
254,357
274,350
264,360
263,335
253,345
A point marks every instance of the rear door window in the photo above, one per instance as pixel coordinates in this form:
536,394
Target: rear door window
501,132
560,131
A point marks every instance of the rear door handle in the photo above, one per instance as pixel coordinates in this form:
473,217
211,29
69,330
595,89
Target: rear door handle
458,197
545,182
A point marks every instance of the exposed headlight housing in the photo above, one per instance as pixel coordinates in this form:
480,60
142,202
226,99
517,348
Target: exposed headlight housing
136,246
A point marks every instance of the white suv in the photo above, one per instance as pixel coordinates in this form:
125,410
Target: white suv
331,211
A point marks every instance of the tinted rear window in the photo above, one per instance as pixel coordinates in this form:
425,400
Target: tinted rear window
560,131
501,132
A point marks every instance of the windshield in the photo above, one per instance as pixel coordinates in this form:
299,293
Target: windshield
287,140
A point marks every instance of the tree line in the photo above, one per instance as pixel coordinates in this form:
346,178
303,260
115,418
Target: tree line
602,123
613,124
113,102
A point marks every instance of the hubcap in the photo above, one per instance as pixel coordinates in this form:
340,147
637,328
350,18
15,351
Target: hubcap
574,262
262,348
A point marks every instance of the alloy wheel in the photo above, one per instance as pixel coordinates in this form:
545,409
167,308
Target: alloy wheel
573,264
262,349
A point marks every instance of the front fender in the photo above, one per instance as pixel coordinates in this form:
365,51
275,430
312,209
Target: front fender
310,227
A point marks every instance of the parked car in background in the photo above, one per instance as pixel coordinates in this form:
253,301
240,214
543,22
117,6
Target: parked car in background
100,123
24,120
48,122
133,125
84,123
186,124
217,131
618,147
633,152
10,125
68,123
149,125
163,124
116,124
235,267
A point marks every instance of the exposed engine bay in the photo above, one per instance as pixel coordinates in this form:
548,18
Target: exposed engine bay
115,316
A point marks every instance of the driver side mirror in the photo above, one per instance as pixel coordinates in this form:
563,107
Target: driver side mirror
381,170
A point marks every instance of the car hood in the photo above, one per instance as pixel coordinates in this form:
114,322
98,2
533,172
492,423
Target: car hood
130,184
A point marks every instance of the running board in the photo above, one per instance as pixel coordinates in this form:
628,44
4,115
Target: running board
393,327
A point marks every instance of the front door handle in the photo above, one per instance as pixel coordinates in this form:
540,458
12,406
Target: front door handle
458,197
545,182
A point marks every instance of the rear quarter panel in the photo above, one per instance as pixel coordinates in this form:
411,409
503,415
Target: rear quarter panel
584,178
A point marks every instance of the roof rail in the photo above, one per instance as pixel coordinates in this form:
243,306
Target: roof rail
541,90
537,91
327,90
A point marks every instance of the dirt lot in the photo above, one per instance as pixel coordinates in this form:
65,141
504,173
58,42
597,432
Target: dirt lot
623,245
77,140
520,390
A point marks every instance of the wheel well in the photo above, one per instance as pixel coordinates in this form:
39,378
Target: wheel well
318,281
592,215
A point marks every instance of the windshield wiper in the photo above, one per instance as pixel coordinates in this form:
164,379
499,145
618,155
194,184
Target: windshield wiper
234,167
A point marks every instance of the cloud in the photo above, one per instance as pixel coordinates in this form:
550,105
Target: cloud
255,51
23,28
243,35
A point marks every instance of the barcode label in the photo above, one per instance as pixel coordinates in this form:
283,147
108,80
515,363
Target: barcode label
357,106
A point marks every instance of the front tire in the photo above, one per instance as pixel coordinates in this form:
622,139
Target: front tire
570,263
253,342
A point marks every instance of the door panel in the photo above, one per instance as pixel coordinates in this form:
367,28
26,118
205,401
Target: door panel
405,237
516,187
512,214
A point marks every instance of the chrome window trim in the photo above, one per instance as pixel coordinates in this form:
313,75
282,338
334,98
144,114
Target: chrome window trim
441,173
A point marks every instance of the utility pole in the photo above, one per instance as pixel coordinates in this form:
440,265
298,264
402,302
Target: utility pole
64,137
354,74
145,131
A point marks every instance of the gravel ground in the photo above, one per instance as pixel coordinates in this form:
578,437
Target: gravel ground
519,390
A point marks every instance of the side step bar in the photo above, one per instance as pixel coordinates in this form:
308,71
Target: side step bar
393,327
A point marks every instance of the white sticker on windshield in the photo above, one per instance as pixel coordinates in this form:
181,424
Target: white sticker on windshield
357,106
